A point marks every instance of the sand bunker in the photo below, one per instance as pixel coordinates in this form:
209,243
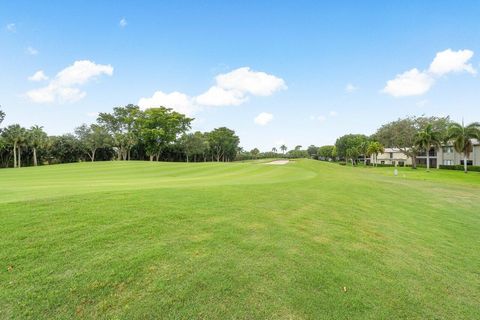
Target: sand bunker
278,162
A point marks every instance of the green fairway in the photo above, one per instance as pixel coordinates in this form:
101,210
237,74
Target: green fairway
306,240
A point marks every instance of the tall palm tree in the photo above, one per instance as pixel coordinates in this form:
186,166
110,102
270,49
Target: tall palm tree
37,138
274,150
283,148
428,138
462,138
15,135
374,148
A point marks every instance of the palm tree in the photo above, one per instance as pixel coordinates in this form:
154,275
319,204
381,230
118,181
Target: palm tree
283,148
462,138
428,138
36,139
375,148
274,150
363,148
15,135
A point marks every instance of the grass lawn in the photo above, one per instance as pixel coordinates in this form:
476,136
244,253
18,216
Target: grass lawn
306,240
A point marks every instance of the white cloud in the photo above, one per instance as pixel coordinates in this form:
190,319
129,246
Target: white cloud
92,114
217,96
248,81
333,113
38,76
263,118
32,51
11,27
350,88
452,61
415,82
63,88
409,83
231,89
123,23
178,101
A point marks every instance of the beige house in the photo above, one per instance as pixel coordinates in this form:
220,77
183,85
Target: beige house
392,156
445,155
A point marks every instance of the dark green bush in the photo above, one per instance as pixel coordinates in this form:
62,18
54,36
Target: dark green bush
460,167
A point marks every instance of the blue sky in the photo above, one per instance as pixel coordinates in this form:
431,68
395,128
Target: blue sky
308,71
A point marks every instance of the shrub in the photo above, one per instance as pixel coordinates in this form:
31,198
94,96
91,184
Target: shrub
460,167
342,163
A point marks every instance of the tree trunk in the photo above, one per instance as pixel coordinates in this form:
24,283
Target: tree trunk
465,167
414,162
93,155
186,154
14,154
35,157
151,157
128,155
428,160
19,156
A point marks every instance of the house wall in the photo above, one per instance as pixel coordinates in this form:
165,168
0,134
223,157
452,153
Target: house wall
457,157
396,158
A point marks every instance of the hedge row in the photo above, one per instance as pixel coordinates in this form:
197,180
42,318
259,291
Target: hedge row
460,167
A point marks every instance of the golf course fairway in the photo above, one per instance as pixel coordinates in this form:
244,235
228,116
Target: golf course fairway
304,240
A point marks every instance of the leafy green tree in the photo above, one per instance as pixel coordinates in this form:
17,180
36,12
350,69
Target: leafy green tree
462,138
325,152
349,141
92,138
254,152
65,149
15,135
194,144
160,127
352,154
375,148
223,143
37,138
312,151
334,153
428,138
122,124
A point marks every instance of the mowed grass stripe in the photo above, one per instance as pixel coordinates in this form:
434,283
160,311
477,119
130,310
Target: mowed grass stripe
25,183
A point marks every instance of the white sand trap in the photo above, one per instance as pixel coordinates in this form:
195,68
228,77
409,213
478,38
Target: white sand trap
278,162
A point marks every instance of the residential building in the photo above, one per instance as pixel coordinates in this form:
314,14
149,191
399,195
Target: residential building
445,155
392,156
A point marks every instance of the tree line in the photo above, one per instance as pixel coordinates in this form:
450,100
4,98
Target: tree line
411,135
127,133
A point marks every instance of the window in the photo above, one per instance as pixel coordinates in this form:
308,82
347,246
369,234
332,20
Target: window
469,162
447,149
382,162
447,162
401,163
391,155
